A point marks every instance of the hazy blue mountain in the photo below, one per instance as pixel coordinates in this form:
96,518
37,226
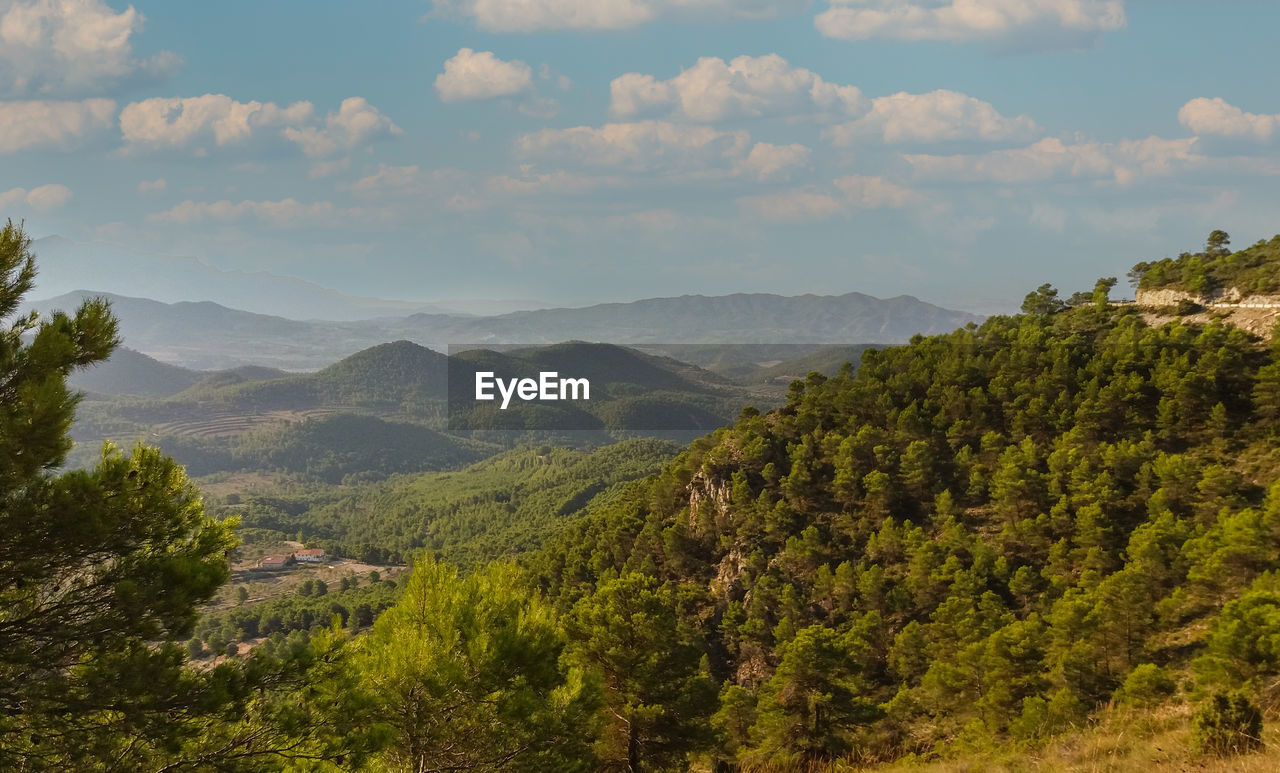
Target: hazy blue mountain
67,266
742,318
209,336
128,372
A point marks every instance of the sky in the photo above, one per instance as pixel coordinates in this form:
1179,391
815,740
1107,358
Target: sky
585,151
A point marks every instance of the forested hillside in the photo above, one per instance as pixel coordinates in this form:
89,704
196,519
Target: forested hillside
383,411
503,506
980,537
1252,270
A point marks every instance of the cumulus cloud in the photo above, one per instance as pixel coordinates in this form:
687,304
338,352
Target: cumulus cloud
152,186
178,122
843,196
639,146
44,198
57,46
286,213
471,75
33,125
714,90
1219,118
933,117
196,122
356,123
1019,23
1052,159
536,15
771,162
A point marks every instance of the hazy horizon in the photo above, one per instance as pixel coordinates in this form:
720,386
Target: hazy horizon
64,285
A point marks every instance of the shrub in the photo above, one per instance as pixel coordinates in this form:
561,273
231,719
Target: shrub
1227,724
1146,685
1187,306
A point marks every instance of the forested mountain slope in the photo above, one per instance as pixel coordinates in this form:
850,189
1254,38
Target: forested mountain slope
505,505
383,410
979,537
1251,271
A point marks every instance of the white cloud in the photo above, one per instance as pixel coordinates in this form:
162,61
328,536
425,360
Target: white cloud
714,90
197,122
639,146
472,75
844,196
178,122
152,186
1218,117
770,162
356,123
59,125
1052,159
535,15
286,213
1018,23
933,117
56,46
43,198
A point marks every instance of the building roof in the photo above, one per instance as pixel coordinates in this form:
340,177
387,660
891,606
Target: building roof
310,552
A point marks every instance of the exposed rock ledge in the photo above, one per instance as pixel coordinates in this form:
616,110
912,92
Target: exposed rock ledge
1258,314
1229,297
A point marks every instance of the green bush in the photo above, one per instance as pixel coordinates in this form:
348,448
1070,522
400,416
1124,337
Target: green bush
1187,306
1227,724
1146,685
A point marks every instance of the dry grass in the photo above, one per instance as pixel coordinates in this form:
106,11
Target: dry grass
1120,742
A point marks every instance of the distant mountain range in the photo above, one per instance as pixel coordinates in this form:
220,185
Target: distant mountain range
207,335
67,265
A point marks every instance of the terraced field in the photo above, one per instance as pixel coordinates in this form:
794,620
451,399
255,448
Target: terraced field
217,424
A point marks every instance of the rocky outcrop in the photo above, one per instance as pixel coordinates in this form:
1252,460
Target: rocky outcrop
1160,298
1225,298
706,491
1256,314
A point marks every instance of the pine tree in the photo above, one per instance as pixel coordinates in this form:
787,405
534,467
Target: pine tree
813,700
102,570
658,700
466,674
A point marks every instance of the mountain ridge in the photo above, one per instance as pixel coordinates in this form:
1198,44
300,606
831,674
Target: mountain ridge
206,335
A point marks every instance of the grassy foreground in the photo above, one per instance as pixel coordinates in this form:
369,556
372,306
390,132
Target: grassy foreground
1120,741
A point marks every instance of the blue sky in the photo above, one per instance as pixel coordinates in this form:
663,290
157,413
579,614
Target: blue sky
579,151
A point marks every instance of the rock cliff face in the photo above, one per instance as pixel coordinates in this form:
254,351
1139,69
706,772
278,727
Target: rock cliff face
1229,297
1160,298
1257,314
